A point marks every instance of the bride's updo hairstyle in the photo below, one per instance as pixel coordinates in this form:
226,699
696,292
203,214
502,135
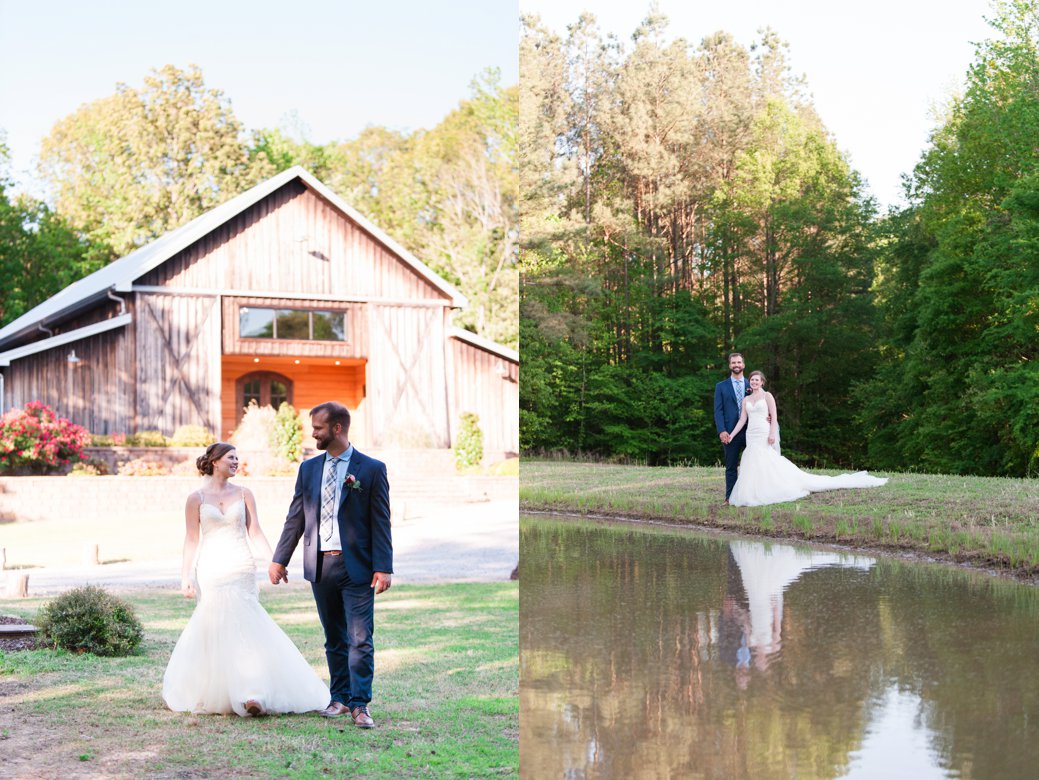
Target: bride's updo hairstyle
758,373
214,452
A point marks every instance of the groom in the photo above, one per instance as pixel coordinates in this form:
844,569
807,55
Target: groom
341,508
728,401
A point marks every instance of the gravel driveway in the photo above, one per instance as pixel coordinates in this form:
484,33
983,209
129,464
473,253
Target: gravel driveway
457,542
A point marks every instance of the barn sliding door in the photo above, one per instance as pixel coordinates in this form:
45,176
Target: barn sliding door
178,362
406,382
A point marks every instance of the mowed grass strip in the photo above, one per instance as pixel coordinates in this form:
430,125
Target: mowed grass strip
981,521
445,700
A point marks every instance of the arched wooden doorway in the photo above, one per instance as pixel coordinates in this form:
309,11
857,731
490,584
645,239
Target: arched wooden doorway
266,388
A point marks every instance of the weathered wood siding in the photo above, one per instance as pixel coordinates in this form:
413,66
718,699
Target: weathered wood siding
97,392
294,242
407,388
178,362
478,385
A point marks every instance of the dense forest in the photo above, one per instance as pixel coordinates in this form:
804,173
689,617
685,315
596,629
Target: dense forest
129,167
682,201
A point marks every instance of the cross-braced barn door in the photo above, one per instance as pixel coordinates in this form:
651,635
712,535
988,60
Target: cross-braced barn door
178,354
406,387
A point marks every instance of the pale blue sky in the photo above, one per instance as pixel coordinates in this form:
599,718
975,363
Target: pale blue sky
340,66
876,69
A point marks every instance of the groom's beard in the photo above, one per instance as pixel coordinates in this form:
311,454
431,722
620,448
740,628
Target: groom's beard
322,444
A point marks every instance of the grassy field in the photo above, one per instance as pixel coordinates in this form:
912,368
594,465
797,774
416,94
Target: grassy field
445,698
985,522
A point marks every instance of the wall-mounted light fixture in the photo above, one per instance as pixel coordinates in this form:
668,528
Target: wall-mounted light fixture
73,360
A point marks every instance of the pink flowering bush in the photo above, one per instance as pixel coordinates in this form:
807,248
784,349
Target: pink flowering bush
34,440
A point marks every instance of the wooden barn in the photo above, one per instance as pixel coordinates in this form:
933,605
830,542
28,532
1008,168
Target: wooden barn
283,293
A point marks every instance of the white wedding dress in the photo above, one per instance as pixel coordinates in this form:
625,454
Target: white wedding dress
766,477
231,650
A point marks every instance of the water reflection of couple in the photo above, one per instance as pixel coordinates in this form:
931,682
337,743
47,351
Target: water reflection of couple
752,610
748,423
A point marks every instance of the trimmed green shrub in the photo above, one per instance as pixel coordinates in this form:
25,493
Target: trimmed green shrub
469,446
147,439
90,620
287,436
191,436
108,440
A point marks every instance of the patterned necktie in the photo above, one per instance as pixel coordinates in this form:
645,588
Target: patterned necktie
328,500
739,395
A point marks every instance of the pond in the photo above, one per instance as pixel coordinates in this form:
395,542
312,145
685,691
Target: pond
666,653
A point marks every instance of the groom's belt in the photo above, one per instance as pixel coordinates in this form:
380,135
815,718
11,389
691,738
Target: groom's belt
331,552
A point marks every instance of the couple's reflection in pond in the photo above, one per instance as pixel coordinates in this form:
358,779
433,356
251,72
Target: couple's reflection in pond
750,624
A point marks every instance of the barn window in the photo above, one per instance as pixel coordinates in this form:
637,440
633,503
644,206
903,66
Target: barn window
295,324
251,392
256,323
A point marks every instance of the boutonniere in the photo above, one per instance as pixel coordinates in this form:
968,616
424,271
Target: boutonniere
352,482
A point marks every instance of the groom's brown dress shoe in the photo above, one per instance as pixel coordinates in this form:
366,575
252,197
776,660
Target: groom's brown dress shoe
361,717
335,710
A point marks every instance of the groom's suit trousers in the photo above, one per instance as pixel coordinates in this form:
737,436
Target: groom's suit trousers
347,613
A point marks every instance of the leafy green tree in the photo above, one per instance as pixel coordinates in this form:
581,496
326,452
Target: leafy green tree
40,253
959,352
129,167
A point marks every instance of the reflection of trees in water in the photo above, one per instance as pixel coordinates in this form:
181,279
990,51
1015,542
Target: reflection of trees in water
631,665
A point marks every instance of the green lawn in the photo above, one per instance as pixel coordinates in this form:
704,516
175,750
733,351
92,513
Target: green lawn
445,698
982,521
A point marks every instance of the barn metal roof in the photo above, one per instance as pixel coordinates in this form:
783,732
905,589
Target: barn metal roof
120,275
485,344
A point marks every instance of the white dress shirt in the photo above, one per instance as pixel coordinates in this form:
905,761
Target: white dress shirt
342,468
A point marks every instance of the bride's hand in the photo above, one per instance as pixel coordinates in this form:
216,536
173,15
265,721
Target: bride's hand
187,587
771,439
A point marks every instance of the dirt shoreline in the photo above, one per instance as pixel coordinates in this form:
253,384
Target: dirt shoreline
964,561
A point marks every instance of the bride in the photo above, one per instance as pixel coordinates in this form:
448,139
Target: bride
765,476
231,656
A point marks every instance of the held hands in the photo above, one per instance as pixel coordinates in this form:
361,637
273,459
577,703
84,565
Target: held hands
277,573
381,581
725,437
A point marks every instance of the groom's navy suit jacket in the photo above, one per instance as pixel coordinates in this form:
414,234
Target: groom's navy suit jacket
726,410
364,520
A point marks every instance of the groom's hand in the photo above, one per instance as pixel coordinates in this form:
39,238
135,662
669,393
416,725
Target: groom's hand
724,436
381,581
276,572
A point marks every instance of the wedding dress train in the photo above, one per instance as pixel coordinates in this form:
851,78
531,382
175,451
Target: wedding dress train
766,477
231,651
